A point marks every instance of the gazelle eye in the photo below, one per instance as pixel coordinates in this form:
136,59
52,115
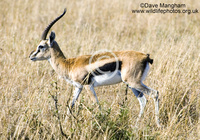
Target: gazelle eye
41,47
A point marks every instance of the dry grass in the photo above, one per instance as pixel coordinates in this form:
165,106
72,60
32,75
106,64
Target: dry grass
26,107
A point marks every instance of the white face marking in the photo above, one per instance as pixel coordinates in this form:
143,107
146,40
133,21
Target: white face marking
107,79
41,53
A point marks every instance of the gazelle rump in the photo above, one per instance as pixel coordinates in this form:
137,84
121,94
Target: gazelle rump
100,69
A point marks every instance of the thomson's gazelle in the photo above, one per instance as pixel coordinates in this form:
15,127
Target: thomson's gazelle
100,69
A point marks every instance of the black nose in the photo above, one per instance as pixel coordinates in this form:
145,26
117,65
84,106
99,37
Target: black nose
33,59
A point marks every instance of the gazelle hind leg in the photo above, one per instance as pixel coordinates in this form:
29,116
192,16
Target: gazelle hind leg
156,102
154,94
142,101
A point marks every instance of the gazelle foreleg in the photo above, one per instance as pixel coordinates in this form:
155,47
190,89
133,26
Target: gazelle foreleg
77,90
94,93
76,94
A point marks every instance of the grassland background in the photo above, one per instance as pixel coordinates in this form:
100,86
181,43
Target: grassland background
26,107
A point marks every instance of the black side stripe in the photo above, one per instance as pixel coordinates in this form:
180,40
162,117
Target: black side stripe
109,67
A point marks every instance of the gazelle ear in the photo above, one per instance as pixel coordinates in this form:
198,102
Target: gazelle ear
52,38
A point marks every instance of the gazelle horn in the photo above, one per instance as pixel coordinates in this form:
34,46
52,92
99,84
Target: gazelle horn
45,32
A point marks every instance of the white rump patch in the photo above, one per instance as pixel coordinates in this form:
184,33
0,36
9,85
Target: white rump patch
107,79
145,73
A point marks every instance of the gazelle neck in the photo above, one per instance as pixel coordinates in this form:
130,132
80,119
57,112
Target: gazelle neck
56,51
58,60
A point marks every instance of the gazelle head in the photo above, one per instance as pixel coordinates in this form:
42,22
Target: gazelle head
42,51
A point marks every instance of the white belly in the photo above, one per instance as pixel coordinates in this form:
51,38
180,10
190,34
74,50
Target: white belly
109,78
